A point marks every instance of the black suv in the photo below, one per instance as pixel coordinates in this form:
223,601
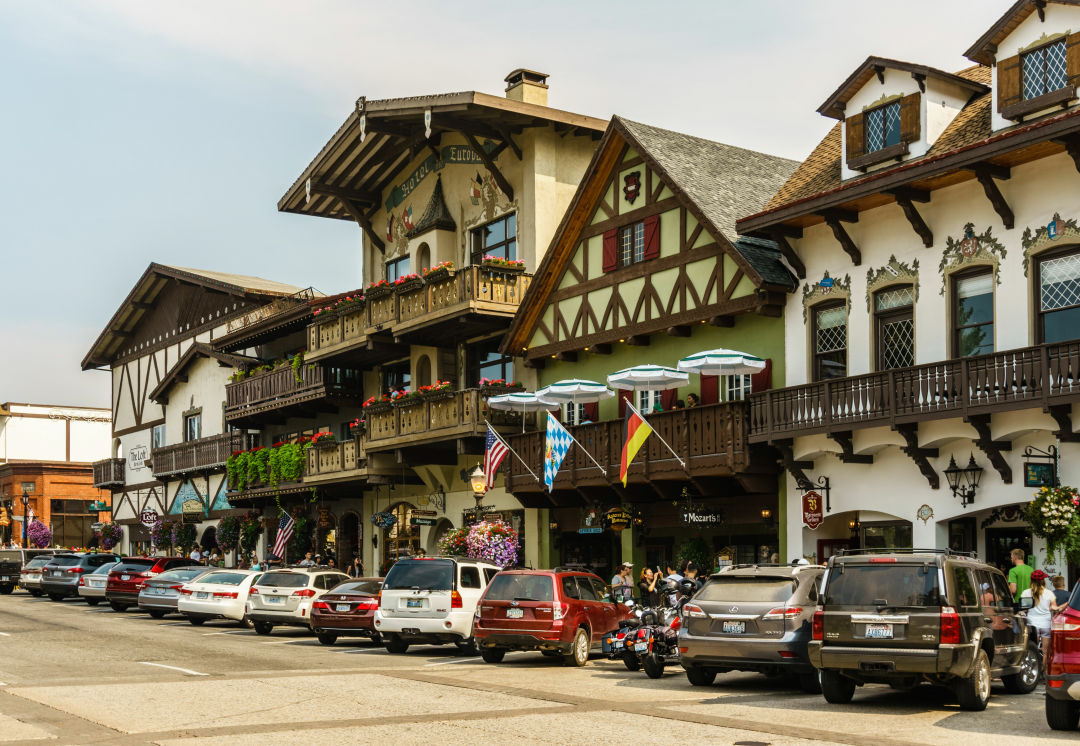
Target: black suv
11,565
903,616
60,576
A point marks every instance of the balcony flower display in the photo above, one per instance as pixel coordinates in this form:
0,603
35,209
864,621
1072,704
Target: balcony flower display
38,534
1054,515
269,467
495,386
110,535
494,541
439,272
408,282
379,403
378,289
437,390
357,427
350,302
504,265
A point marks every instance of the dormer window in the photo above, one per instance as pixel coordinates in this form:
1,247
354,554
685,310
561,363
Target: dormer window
883,127
883,131
1044,69
1041,77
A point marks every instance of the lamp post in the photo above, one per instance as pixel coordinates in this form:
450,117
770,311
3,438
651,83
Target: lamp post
478,482
766,517
970,474
25,504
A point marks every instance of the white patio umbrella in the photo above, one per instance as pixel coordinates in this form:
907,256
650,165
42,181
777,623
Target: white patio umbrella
522,401
575,391
721,363
648,377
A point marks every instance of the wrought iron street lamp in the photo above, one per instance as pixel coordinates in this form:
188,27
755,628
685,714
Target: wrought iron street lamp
970,476
478,482
766,517
25,504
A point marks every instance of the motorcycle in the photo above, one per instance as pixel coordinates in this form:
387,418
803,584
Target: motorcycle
656,641
614,644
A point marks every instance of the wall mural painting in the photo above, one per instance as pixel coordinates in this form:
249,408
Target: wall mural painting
485,194
894,271
397,230
448,155
970,249
826,287
1048,235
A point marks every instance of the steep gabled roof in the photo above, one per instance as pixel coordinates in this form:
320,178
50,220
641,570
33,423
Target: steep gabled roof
984,51
436,215
196,351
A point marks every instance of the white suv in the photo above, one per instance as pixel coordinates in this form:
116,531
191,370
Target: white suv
285,597
431,600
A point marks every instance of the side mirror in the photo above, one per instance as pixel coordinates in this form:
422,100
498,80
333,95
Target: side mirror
1026,602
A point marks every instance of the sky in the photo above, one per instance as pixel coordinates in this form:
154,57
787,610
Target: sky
134,131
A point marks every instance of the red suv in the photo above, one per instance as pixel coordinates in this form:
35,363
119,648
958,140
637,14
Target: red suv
127,577
561,614
1063,674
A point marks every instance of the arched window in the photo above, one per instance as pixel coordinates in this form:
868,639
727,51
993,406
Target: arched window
423,257
894,322
829,340
402,539
423,371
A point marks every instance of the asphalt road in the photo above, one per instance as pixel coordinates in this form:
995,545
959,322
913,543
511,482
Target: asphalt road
72,674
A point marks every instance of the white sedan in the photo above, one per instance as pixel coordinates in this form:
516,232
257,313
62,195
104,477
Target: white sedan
217,595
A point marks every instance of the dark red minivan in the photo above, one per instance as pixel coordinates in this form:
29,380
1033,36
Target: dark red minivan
561,614
127,577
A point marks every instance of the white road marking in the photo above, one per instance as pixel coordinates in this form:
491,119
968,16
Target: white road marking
285,642
4,634
471,660
227,632
188,671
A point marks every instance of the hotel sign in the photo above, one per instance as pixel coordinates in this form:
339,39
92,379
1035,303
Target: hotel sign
812,511
448,155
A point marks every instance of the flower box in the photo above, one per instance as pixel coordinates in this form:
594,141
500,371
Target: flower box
380,291
378,407
438,275
498,268
489,391
407,286
438,394
408,400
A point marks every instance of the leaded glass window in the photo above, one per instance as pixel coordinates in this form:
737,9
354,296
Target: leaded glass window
883,127
830,342
973,319
895,327
631,244
1044,70
1059,297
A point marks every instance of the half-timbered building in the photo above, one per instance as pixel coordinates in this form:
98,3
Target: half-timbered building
934,337
646,267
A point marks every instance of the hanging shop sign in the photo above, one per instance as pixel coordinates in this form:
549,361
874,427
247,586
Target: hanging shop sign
325,519
422,521
1040,467
148,518
812,509
702,518
191,511
427,513
618,519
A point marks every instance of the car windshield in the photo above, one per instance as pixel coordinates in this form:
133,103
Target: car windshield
882,585
182,575
39,561
425,575
105,569
364,587
520,587
65,561
135,565
747,589
225,578
284,579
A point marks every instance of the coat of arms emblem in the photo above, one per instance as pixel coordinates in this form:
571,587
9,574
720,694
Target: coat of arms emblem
632,186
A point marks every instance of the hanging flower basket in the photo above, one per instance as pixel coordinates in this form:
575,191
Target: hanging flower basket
111,534
1054,515
39,534
383,519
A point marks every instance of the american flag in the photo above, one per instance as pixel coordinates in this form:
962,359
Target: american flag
284,533
494,453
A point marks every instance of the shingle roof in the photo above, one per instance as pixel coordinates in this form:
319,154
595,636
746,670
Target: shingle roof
765,256
244,282
436,215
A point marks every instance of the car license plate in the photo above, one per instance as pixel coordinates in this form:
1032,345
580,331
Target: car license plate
879,631
414,603
734,628
201,595
342,607
641,646
515,613
5,578
125,577
273,600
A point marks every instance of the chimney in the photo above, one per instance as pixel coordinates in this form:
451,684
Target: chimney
528,86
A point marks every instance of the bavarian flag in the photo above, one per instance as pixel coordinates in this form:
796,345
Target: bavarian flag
634,435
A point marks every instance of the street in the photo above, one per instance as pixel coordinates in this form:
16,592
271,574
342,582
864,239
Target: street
71,673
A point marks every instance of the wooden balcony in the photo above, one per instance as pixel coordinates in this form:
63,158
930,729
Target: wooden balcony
109,473
341,461
1045,376
277,394
464,304
711,440
205,455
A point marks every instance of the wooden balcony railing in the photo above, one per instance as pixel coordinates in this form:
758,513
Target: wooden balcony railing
276,307
454,414
202,455
1041,376
279,388
331,461
711,439
109,473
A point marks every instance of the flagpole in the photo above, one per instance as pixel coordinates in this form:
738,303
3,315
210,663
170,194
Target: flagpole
519,458
659,437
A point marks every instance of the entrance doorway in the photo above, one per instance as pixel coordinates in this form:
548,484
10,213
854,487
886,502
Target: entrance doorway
348,539
828,547
1001,541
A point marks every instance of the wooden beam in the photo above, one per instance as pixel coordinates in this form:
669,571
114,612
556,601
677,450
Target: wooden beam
489,164
362,220
362,198
570,356
537,364
906,199
140,306
1072,147
842,236
921,80
793,467
1063,417
781,239
509,140
992,448
846,216
789,231
848,455
919,455
879,70
678,331
986,173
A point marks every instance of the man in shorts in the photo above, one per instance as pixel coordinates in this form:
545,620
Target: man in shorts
1019,575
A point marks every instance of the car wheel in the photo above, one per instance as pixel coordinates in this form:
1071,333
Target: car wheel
118,607
579,649
376,638
35,594
810,682
838,690
974,691
654,667
55,597
1062,714
700,676
156,614
467,646
263,628
1027,679
492,655
395,645
244,623
6,589
326,639
93,601
196,621
631,662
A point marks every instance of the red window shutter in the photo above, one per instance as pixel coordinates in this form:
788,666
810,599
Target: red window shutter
762,381
611,250
668,399
624,396
592,412
710,389
652,237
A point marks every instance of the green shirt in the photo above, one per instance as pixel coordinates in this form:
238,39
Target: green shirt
1021,575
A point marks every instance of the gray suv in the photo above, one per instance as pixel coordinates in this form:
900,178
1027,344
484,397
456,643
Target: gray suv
752,618
903,617
61,576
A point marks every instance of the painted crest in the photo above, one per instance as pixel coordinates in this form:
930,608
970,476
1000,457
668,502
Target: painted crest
1052,230
826,284
406,218
632,186
969,245
390,227
813,513
427,122
924,513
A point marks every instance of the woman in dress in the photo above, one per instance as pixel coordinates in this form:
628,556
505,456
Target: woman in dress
1042,609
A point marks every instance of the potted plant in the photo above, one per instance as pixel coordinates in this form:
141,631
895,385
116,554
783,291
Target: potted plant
437,390
378,289
406,398
1054,515
494,541
408,283
496,264
439,272
497,386
357,428
377,404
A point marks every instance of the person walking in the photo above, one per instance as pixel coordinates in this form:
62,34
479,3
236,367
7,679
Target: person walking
1042,610
647,585
1019,574
356,569
1060,594
307,561
196,555
622,584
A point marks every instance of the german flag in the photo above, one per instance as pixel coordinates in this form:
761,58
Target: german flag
634,435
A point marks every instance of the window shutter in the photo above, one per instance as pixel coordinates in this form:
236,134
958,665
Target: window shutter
611,253
710,389
910,116
856,136
652,237
762,381
668,399
592,412
623,397
1008,82
1072,59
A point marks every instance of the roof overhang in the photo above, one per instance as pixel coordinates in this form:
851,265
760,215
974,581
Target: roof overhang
836,103
197,350
984,51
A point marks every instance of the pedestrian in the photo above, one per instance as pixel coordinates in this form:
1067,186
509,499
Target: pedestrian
1061,596
1043,607
690,572
691,401
196,555
1019,575
318,560
307,561
673,574
622,577
647,585
330,563
356,569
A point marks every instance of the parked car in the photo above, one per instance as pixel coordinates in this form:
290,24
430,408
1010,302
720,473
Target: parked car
431,600
284,597
127,578
347,610
159,594
752,618
219,594
92,584
561,614
30,577
903,617
61,574
1063,673
12,562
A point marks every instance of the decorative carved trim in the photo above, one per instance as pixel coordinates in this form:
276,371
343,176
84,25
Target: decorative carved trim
814,292
1044,39
969,250
1040,239
892,273
882,101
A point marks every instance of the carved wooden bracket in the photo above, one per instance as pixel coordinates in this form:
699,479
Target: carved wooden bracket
986,173
849,456
919,455
793,467
832,219
992,448
906,198
789,253
639,340
569,356
1072,147
1063,417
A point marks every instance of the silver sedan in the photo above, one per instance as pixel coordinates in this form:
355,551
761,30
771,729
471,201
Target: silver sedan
159,594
